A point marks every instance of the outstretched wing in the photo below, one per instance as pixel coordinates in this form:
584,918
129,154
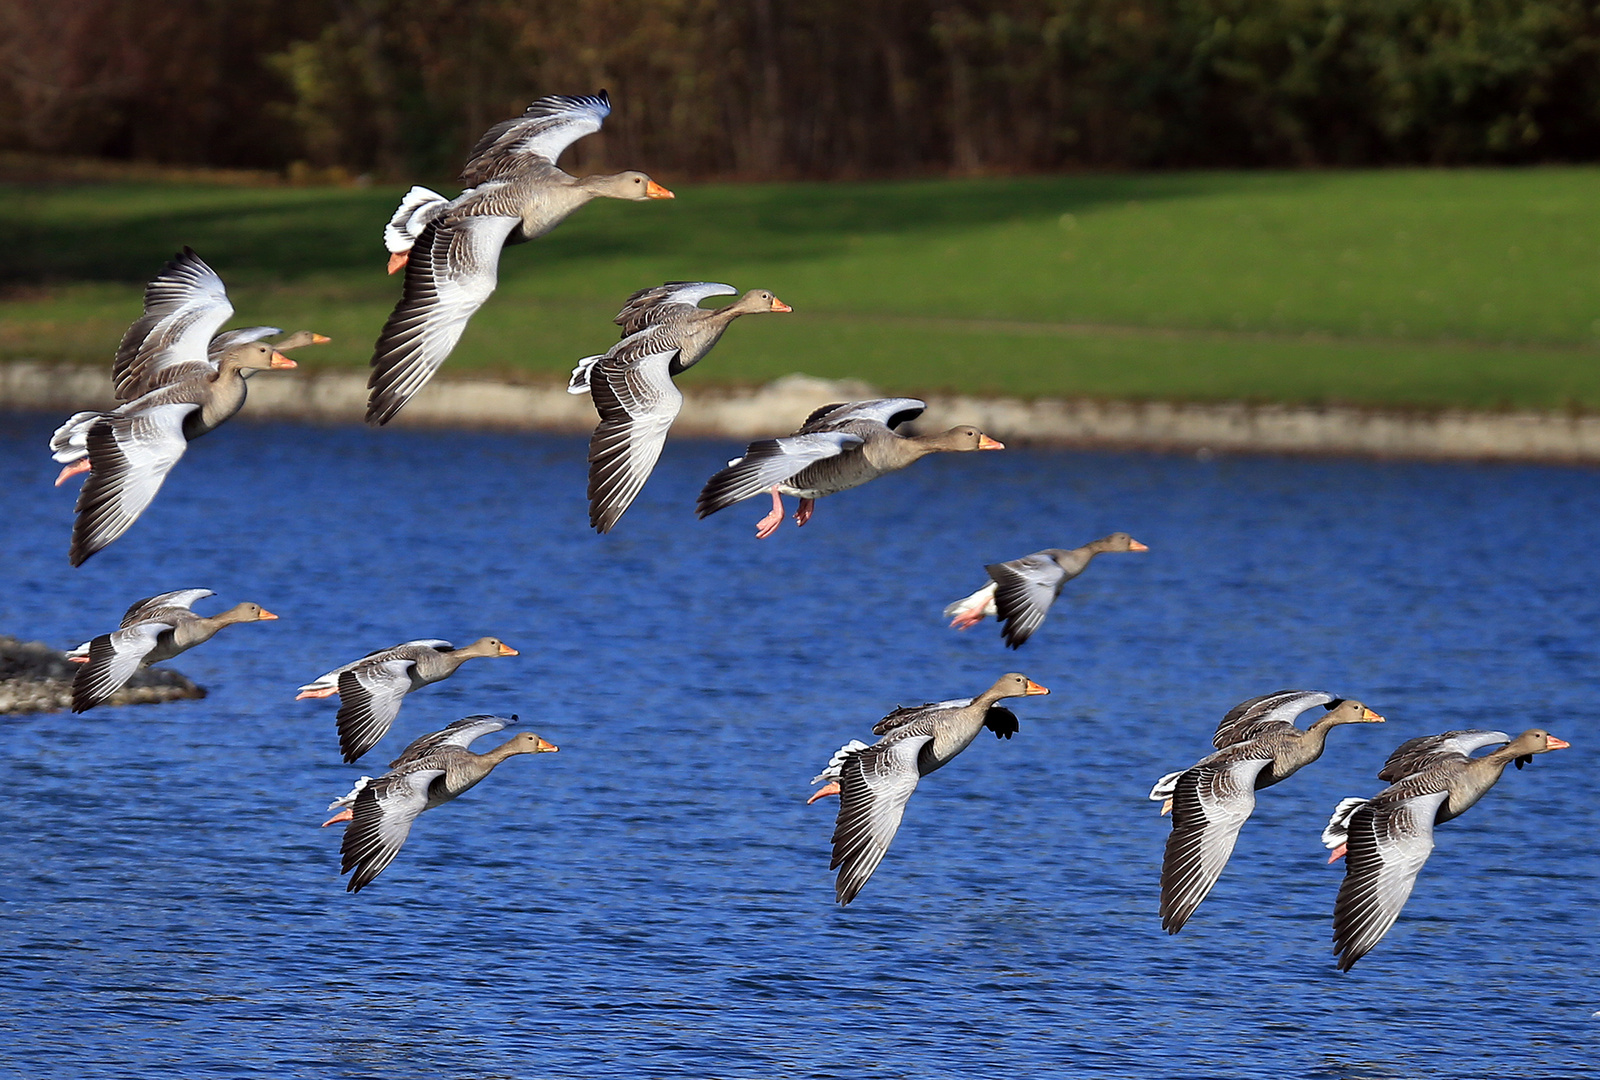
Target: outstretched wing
380,821
637,403
129,458
1210,803
1415,755
905,715
184,306
370,694
1388,843
180,598
645,307
886,411
769,462
541,134
461,733
1254,718
1024,590
453,269
113,659
874,786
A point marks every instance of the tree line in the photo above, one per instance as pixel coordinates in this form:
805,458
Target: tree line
825,88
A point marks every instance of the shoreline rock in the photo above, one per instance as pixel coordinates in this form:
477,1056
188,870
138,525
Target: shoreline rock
780,406
35,678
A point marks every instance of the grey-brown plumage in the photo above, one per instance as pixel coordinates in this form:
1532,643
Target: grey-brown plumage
451,248
875,782
1258,746
839,447
665,332
372,689
433,770
180,379
153,629
1390,836
1020,592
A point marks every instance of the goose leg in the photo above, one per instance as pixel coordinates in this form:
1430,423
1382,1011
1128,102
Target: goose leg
769,524
1166,807
804,511
343,815
1338,853
69,471
397,260
329,692
823,792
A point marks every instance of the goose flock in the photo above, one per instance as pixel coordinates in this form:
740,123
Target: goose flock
179,375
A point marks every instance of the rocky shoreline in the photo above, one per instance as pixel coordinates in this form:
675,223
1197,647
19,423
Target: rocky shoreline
779,406
35,678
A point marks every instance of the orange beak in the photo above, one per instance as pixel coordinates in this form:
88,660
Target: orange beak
266,616
653,190
1558,744
281,361
1034,688
1134,545
507,650
986,443
1369,716
320,339
779,305
546,748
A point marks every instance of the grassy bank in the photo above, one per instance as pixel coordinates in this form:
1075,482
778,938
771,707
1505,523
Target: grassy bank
1404,288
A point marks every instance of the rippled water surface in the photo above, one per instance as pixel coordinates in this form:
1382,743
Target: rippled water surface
654,900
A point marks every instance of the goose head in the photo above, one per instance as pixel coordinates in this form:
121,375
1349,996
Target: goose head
755,302
1349,711
1118,541
963,438
1531,742
633,186
254,356
246,612
486,646
1014,684
526,742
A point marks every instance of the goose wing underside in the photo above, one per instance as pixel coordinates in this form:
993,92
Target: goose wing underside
1210,803
1024,590
874,787
113,659
637,403
539,136
453,269
130,456
380,821
370,695
768,463
1388,843
184,307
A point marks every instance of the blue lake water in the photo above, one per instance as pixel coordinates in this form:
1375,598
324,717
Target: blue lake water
655,900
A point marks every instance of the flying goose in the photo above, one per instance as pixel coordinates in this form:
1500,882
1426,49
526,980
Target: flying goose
839,447
179,378
1257,746
1020,592
372,689
154,629
665,332
1389,836
875,782
430,772
450,248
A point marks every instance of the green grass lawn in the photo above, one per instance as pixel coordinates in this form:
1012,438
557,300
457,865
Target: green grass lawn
1402,288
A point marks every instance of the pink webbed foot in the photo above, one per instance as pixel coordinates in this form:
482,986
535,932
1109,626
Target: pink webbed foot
79,659
1166,807
68,471
968,618
329,692
803,512
823,792
1338,853
769,524
343,815
398,260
